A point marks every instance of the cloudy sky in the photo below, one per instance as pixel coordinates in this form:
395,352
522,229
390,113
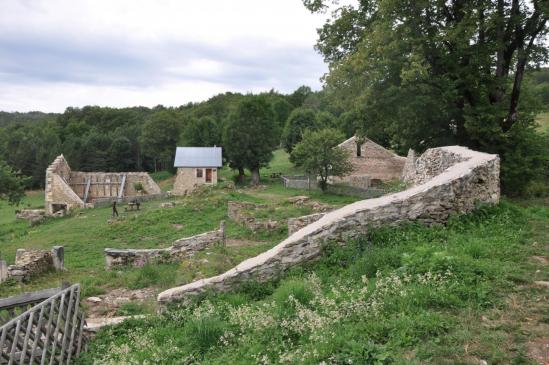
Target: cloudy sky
59,53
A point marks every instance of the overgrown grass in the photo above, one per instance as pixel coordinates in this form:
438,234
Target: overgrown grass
405,295
543,121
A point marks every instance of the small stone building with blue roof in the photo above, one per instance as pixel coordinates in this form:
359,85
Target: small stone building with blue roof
196,166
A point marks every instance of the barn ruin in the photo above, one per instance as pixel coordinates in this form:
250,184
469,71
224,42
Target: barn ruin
67,189
372,163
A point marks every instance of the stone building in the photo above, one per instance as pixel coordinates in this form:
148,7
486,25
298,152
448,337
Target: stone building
196,166
372,163
67,189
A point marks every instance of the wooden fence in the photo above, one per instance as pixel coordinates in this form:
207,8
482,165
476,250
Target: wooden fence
44,327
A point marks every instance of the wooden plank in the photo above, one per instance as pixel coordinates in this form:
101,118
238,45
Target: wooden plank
57,326
87,191
122,185
27,334
74,324
67,323
48,331
27,298
14,341
38,336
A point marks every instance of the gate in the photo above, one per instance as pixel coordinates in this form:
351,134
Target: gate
44,327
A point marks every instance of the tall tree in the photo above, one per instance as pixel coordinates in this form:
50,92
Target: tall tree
159,137
299,121
201,132
319,155
437,72
12,185
248,139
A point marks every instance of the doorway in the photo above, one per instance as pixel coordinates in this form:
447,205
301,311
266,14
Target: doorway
208,175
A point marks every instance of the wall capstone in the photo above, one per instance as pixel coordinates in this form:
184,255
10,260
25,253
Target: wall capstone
453,180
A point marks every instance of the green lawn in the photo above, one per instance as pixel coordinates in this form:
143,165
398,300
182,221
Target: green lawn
543,121
86,233
464,293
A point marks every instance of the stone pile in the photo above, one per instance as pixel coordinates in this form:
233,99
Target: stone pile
33,216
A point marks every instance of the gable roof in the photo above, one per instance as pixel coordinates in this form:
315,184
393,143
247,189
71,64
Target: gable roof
198,157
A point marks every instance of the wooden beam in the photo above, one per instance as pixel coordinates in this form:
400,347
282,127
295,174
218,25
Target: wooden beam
122,185
87,190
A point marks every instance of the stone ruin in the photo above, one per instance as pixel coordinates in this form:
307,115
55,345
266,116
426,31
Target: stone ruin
33,216
31,263
443,181
238,212
181,249
67,189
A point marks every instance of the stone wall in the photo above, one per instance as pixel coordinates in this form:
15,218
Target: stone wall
237,211
182,248
30,263
58,193
187,181
295,224
374,162
470,178
65,189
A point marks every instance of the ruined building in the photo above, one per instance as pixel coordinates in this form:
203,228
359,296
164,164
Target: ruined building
372,163
67,189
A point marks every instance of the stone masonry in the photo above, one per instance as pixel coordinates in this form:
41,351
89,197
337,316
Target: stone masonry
30,263
182,248
66,189
237,211
451,180
371,163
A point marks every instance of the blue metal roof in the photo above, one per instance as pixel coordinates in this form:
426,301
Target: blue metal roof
198,157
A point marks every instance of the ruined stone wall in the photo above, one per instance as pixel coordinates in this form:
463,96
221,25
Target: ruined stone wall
66,188
31,263
180,249
295,224
186,180
238,212
470,178
57,190
433,162
374,161
108,184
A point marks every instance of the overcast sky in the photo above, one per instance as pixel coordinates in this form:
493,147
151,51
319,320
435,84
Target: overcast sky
59,53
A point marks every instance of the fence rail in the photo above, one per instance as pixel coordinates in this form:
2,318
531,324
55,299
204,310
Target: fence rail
50,331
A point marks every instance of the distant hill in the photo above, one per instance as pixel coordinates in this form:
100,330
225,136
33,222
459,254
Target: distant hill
24,118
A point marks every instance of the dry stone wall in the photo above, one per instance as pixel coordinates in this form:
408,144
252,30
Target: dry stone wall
458,179
295,224
30,263
66,189
182,248
238,212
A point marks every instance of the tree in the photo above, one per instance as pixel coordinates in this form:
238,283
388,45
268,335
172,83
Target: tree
12,185
159,137
248,139
201,132
299,121
431,72
281,111
318,154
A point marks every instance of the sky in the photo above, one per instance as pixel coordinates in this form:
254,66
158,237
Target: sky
60,53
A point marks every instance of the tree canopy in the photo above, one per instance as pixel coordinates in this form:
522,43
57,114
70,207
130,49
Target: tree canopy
431,73
248,137
319,155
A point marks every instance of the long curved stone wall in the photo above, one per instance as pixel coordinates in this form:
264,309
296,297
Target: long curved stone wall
447,180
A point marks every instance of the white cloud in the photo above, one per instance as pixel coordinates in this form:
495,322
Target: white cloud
59,53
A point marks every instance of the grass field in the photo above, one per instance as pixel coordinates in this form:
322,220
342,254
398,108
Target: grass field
543,121
465,293
87,233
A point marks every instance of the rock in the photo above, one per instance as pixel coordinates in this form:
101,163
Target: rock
177,226
542,283
299,200
167,205
94,300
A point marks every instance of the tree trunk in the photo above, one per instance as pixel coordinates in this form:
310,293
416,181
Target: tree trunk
255,176
240,175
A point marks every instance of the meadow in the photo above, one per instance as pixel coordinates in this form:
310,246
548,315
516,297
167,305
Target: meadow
464,293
